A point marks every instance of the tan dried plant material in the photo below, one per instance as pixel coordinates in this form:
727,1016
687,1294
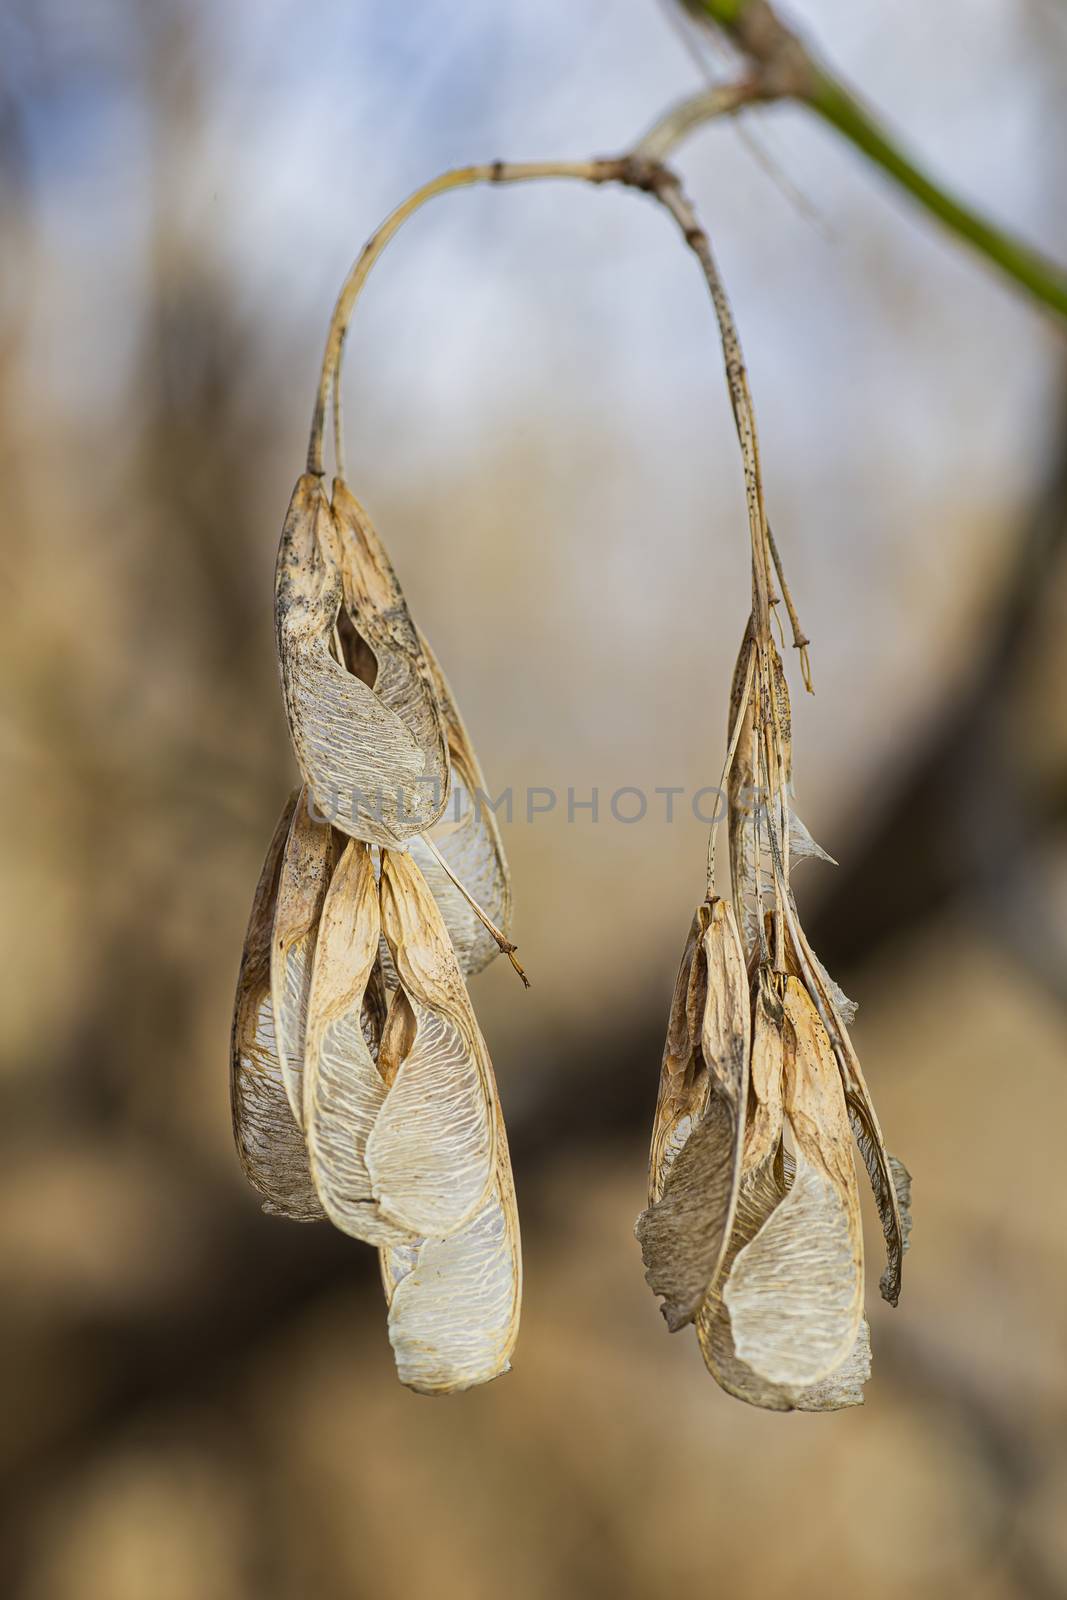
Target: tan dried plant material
306,868
468,838
454,1303
795,1291
699,1130
403,681
742,789
767,1175
889,1178
373,753
343,1088
432,1152
683,1083
269,1144
762,1191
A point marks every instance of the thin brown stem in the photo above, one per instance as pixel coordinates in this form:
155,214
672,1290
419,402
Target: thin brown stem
458,178
800,638
504,943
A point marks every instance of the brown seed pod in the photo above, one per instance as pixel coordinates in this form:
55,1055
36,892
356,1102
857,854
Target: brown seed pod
795,1291
454,1302
695,1174
767,1176
269,1144
841,1388
306,868
469,839
889,1178
454,1298
343,1089
373,753
432,1151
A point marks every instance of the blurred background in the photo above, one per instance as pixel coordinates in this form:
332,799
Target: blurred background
199,1401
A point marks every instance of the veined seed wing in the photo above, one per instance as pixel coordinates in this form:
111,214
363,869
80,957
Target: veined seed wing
469,839
889,1178
763,1132
359,756
343,1090
684,1234
767,1175
454,1302
269,1144
307,863
401,743
763,1189
795,1293
432,1152
682,1080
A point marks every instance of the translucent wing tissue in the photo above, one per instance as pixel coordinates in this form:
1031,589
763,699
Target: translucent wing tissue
362,1087
373,753
268,1139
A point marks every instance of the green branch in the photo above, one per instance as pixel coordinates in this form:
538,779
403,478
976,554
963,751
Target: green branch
788,69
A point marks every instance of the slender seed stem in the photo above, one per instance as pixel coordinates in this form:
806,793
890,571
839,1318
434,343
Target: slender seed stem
504,943
458,178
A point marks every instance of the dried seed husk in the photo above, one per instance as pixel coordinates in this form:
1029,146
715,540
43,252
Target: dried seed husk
357,747
889,1178
407,760
306,868
683,1083
469,839
432,1152
269,1143
684,1233
454,1302
764,1185
343,1089
763,1130
767,1178
725,1025
795,1292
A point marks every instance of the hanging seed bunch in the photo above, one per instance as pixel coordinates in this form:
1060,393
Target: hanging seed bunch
752,1230
362,1089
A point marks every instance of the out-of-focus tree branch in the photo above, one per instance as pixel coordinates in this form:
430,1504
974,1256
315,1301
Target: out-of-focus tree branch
789,69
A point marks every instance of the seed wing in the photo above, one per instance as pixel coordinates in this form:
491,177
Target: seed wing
795,1293
432,1152
763,1131
454,1302
402,750
682,1080
725,1024
683,1236
343,1090
469,839
307,863
889,1178
360,758
765,1184
684,1233
269,1143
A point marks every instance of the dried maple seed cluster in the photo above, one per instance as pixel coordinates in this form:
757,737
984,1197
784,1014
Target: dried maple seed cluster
362,1089
752,1230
